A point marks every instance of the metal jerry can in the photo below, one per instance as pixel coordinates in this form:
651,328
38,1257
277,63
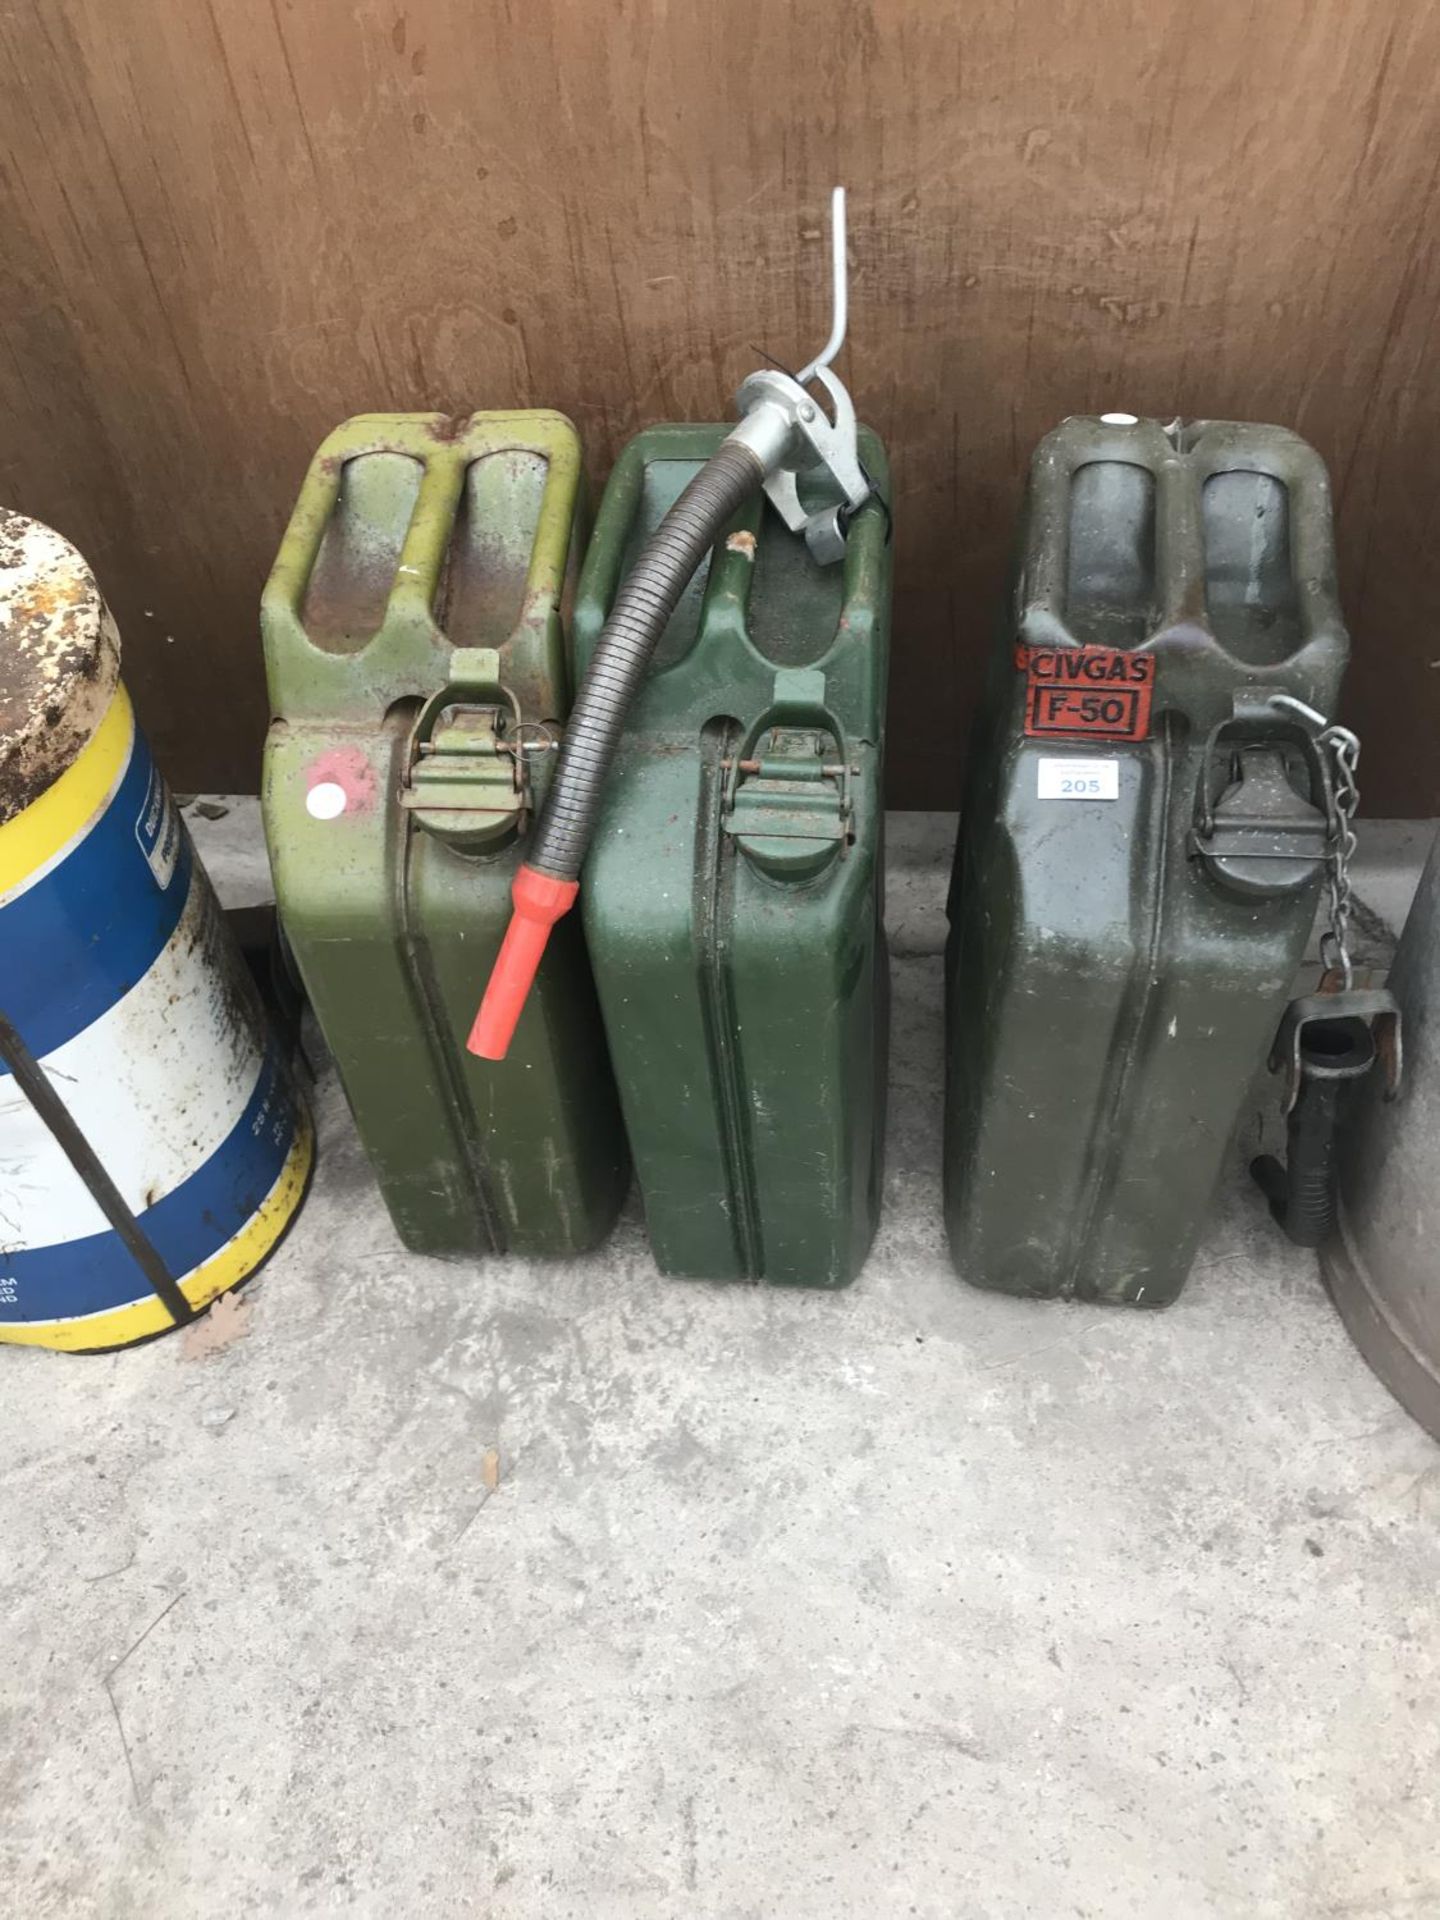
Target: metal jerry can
733,895
1149,815
153,1150
416,656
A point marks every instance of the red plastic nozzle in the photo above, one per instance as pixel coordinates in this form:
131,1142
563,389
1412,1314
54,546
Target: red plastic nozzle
538,902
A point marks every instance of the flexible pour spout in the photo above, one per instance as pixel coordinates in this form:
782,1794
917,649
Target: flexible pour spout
547,882
537,902
782,430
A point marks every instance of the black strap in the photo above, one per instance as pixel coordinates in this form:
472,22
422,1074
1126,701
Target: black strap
33,1082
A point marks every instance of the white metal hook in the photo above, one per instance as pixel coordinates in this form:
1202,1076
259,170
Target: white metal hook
839,291
1307,713
1324,729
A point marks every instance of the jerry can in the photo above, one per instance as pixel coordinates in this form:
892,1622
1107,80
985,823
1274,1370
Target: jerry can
415,647
732,897
1147,823
153,1148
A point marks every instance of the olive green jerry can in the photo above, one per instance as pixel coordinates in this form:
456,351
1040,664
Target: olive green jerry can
732,897
415,647
1147,823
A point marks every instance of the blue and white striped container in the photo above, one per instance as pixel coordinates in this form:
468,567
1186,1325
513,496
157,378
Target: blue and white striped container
122,980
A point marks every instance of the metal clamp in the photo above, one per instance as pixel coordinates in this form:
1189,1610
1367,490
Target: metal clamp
788,798
789,433
1295,1054
466,780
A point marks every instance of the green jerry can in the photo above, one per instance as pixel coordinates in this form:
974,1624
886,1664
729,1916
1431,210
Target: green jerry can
1150,812
733,894
415,647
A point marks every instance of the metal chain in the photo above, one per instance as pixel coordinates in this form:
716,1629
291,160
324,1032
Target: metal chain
1344,749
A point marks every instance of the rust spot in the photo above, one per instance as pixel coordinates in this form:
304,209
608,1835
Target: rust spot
447,428
226,1321
508,227
59,658
741,542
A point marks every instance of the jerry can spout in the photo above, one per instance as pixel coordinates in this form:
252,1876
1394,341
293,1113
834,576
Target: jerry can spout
1327,1042
1302,1192
781,432
537,902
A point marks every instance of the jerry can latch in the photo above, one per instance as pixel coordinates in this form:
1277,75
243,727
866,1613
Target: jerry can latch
467,781
788,796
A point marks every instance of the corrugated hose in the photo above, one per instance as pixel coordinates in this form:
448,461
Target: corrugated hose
548,880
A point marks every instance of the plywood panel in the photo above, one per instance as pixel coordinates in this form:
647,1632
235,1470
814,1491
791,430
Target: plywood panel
229,223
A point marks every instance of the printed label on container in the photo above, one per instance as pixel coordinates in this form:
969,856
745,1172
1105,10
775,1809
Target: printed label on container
1093,692
1076,779
158,830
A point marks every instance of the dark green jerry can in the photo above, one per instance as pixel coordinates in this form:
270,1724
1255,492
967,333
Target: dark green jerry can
1146,827
733,895
415,648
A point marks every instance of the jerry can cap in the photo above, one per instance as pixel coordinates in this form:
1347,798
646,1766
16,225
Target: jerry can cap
59,658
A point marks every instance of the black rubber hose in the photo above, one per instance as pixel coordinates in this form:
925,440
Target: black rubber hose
1302,1198
1302,1193
643,606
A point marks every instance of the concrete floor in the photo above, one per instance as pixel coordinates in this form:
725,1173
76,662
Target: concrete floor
908,1601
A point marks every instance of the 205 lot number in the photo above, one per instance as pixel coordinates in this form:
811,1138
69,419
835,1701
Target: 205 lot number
1077,778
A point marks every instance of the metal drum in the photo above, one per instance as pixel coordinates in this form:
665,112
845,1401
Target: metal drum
1380,1263
152,1148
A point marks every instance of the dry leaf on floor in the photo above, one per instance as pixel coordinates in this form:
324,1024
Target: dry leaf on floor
490,1469
227,1321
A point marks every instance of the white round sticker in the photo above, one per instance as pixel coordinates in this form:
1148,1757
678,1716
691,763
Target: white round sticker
325,800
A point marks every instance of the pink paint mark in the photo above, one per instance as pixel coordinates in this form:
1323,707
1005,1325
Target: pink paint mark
350,770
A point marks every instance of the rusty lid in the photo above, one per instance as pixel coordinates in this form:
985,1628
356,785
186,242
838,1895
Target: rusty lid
59,658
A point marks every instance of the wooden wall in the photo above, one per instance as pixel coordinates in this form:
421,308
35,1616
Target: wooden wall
230,223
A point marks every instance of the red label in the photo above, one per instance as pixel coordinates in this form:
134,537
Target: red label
1091,692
